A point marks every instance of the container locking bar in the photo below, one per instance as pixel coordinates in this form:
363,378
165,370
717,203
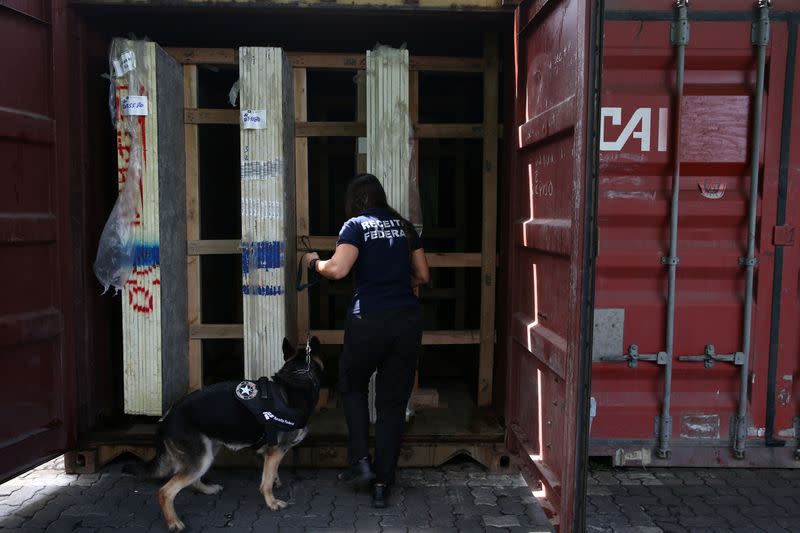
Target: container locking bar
760,39
633,357
710,356
679,37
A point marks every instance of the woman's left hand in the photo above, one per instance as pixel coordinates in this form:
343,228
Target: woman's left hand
308,257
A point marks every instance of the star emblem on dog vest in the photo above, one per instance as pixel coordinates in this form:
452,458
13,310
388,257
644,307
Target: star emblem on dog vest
246,390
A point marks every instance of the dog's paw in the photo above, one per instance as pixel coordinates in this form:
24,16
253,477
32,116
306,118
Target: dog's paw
276,505
176,525
214,489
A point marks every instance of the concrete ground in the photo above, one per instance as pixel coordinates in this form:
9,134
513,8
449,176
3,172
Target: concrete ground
458,497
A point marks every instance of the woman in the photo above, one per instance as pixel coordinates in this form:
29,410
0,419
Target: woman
383,328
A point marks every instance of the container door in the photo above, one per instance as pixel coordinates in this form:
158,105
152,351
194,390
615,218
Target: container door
36,354
784,397
639,116
552,251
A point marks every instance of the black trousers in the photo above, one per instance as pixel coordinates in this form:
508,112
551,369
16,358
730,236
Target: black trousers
389,343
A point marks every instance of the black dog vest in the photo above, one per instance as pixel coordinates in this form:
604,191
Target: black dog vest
264,399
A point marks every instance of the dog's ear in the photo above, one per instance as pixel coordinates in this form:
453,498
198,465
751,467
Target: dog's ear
288,351
315,345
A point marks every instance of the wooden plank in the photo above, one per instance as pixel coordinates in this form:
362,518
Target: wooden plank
335,336
330,129
205,56
488,236
216,331
446,64
214,247
196,115
448,131
461,222
325,61
453,260
267,214
425,398
429,338
301,186
342,129
328,244
361,116
193,280
414,199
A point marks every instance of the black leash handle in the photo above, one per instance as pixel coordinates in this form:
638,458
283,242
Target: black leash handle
313,275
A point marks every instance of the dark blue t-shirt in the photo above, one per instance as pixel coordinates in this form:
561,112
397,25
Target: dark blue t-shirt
383,267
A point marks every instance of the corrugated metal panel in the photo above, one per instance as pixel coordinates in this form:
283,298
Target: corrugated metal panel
267,158
37,404
153,376
551,202
638,155
388,136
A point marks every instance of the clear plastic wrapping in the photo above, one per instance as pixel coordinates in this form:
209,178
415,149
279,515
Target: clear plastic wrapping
128,104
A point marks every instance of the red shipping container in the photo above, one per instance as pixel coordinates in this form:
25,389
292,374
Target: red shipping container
715,135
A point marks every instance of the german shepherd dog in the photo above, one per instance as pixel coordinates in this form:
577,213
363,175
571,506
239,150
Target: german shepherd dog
197,426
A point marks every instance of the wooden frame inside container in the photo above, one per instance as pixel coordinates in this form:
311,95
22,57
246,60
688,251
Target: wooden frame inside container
488,131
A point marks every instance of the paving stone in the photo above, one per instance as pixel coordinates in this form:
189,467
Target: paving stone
228,529
22,496
709,520
12,522
469,524
368,523
672,528
638,529
605,505
410,520
500,521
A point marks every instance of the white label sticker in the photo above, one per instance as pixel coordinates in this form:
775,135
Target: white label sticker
125,63
254,119
117,68
134,106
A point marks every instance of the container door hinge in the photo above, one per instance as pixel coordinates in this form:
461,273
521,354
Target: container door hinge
759,34
679,30
783,235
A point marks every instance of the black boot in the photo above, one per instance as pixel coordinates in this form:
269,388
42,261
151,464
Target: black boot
380,495
358,473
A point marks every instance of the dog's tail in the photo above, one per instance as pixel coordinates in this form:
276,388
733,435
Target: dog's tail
155,468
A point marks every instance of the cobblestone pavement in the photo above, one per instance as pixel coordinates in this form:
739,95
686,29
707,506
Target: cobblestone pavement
656,500
460,497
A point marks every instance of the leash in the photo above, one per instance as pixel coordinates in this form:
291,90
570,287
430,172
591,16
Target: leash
313,278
